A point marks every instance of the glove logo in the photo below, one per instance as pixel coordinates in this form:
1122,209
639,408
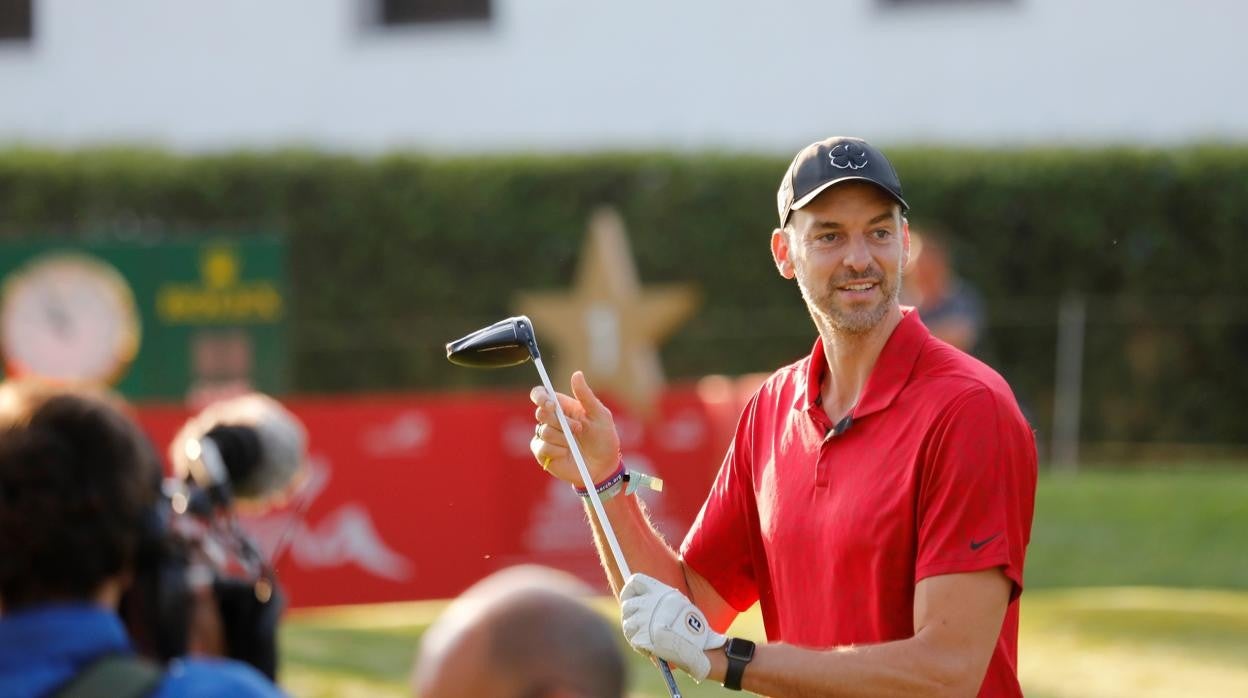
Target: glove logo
694,623
848,156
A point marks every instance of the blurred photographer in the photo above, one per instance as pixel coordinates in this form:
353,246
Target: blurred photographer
76,489
202,585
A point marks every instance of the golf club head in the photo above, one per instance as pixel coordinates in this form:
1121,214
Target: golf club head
507,342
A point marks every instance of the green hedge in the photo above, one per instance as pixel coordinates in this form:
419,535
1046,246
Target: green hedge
392,256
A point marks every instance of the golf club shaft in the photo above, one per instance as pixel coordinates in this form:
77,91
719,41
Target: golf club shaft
607,531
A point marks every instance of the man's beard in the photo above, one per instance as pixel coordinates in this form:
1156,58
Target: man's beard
859,320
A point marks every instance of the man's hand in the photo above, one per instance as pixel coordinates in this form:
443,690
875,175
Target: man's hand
592,425
660,621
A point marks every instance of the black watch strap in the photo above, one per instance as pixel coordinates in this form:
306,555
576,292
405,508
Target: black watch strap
739,653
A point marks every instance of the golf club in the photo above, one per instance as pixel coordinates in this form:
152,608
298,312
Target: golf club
511,342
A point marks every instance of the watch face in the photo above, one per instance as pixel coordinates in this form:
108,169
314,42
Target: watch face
739,649
70,317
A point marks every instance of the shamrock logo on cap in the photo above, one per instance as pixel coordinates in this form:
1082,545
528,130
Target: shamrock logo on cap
848,156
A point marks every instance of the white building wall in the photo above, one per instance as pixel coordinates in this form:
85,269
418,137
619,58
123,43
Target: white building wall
577,74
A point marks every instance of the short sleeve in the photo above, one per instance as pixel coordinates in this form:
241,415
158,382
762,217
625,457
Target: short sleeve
721,543
977,495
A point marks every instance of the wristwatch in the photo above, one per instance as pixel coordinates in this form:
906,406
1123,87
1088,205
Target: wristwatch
739,652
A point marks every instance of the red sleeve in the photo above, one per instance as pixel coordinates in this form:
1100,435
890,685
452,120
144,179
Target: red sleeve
978,490
721,542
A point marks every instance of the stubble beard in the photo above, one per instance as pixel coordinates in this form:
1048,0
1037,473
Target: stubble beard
828,313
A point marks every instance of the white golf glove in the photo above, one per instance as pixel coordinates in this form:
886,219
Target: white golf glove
660,621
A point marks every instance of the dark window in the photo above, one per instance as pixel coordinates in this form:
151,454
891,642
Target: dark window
16,20
399,12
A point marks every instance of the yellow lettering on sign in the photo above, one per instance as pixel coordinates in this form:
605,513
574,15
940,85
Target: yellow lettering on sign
245,302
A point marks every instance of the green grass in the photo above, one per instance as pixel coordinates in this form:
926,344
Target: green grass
1185,528
1133,641
1137,586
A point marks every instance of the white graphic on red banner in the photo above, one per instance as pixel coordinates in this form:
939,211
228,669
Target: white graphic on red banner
431,492
685,431
516,434
557,523
346,536
403,435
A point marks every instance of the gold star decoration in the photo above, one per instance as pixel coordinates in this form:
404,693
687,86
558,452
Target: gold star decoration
607,325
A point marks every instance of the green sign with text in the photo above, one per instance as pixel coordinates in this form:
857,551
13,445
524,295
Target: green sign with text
167,320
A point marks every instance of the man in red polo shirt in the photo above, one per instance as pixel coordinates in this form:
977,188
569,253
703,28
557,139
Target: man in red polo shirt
877,498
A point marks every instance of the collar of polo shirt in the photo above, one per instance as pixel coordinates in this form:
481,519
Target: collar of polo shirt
889,375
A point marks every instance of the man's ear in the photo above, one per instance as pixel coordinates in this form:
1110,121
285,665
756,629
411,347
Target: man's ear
905,242
780,251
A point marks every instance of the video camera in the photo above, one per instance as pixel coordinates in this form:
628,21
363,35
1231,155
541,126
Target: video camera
202,585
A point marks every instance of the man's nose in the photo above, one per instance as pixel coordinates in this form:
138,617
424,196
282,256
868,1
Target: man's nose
857,256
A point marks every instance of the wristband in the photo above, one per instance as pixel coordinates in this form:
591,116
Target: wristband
612,480
622,480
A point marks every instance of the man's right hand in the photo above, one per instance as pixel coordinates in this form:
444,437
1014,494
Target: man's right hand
592,425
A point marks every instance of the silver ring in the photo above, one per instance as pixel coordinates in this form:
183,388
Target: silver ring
537,430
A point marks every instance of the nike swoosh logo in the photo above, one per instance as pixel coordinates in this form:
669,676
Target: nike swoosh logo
977,544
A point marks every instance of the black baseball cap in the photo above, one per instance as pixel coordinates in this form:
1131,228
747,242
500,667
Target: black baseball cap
832,161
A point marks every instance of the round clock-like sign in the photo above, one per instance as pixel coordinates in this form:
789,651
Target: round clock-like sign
70,317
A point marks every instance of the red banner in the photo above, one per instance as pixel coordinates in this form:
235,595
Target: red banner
418,496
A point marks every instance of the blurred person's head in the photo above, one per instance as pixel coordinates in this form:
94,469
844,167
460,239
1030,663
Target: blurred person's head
951,309
929,275
76,479
524,632
842,234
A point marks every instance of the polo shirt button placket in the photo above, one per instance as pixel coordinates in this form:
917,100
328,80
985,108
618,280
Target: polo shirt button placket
822,467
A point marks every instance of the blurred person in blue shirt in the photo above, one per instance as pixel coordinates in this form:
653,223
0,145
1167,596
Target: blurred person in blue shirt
76,486
950,307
